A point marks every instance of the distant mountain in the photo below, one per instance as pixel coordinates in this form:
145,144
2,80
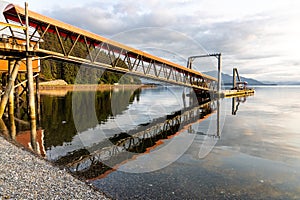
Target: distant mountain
227,79
283,82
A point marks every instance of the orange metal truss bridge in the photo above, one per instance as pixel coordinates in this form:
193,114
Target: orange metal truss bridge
139,63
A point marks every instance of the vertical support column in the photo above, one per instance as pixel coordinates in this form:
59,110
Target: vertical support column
11,64
233,110
218,118
31,103
183,99
219,92
3,79
219,72
9,86
31,100
3,127
189,63
234,78
38,97
191,96
12,125
17,101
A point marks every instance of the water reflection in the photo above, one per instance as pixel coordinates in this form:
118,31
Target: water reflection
32,140
246,159
107,155
62,130
60,141
56,127
12,126
236,103
85,152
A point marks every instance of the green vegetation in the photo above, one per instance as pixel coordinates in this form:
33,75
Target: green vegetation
59,114
70,72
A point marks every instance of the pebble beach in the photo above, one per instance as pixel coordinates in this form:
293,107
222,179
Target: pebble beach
26,176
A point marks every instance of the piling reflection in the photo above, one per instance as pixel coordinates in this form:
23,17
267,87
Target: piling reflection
12,126
54,124
108,154
56,130
3,127
62,129
236,103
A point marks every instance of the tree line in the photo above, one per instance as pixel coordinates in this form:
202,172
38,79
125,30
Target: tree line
80,74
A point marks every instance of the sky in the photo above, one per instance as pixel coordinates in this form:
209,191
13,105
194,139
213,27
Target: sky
259,37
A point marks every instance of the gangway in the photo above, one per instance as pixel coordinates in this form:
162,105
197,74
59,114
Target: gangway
139,63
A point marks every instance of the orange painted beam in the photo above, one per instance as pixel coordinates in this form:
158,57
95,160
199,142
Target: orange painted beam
4,66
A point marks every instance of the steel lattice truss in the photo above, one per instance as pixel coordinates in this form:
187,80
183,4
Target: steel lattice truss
72,40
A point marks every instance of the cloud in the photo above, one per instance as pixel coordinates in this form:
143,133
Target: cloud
254,39
97,20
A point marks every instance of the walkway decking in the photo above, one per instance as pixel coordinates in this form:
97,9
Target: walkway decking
232,93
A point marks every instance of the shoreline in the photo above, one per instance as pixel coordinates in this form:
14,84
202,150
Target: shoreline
88,87
24,175
62,90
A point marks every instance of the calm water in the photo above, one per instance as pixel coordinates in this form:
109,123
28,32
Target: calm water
254,154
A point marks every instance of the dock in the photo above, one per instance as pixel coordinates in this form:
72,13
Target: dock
239,88
231,93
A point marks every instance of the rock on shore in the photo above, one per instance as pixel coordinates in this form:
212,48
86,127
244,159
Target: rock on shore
25,176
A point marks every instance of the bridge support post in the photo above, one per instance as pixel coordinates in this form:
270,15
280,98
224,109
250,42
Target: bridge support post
11,64
11,106
12,126
12,78
218,117
38,98
219,57
234,78
31,100
17,100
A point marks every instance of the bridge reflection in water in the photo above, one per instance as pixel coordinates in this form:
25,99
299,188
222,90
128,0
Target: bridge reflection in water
126,146
56,126
106,155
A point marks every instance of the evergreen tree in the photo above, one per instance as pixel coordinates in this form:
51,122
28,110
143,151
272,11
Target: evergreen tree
53,69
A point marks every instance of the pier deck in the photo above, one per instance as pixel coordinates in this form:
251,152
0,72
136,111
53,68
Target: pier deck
231,93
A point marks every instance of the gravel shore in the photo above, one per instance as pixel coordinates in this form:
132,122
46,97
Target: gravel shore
25,176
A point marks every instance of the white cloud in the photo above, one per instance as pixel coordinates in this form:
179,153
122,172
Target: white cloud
261,37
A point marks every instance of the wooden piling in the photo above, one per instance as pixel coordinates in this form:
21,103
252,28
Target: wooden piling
30,85
9,87
3,127
38,98
31,100
12,125
11,64
17,100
